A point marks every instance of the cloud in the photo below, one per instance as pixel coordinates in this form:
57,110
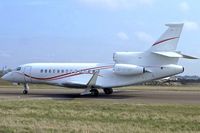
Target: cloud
117,4
122,36
144,37
191,25
184,7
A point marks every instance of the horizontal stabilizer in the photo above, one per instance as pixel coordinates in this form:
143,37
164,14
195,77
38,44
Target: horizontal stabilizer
189,57
174,55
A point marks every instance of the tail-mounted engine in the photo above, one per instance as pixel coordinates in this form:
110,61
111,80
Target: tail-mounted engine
127,69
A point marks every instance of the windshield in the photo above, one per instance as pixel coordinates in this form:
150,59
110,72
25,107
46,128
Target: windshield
18,69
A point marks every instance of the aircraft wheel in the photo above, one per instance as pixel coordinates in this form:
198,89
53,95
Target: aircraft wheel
25,91
108,91
94,92
26,88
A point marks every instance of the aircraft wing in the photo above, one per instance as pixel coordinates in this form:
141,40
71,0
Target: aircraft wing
92,81
75,84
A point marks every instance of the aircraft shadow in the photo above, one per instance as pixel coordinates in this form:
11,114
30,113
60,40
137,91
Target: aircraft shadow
67,96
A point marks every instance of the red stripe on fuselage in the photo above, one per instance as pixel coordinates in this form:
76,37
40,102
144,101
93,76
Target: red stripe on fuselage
159,42
70,74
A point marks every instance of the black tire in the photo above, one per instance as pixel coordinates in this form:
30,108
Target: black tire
25,92
108,91
94,92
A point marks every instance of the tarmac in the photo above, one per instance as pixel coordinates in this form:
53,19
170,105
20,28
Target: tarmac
135,96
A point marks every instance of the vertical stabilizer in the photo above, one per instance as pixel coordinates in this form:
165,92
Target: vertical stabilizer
169,39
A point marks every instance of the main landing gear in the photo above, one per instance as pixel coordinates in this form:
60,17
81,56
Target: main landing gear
108,91
26,89
94,92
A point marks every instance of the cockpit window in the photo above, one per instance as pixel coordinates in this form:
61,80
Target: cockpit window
18,69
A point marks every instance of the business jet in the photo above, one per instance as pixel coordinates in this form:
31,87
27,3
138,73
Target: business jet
128,68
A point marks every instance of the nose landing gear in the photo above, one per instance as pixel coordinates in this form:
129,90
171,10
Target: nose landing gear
26,89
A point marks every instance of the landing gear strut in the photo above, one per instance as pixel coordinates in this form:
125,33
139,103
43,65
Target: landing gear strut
26,88
108,91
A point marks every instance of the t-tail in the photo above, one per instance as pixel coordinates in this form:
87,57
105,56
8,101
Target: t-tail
166,45
162,52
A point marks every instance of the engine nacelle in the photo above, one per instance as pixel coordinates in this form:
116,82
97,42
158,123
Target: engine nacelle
126,57
127,69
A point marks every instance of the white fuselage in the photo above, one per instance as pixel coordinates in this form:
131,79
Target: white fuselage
77,75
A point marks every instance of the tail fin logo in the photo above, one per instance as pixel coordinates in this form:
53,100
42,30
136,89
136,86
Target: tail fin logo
165,40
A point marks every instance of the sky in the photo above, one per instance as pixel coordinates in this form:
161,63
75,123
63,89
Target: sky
92,30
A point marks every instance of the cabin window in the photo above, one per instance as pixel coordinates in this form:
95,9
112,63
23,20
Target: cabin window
45,70
62,71
49,70
54,71
41,71
58,71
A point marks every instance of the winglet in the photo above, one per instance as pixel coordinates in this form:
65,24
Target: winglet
92,81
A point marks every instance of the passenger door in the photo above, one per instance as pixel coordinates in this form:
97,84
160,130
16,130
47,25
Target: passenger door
27,74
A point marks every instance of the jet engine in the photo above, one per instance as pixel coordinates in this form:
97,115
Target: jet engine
127,69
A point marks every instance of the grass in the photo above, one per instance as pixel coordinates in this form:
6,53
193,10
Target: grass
4,83
87,116
97,116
